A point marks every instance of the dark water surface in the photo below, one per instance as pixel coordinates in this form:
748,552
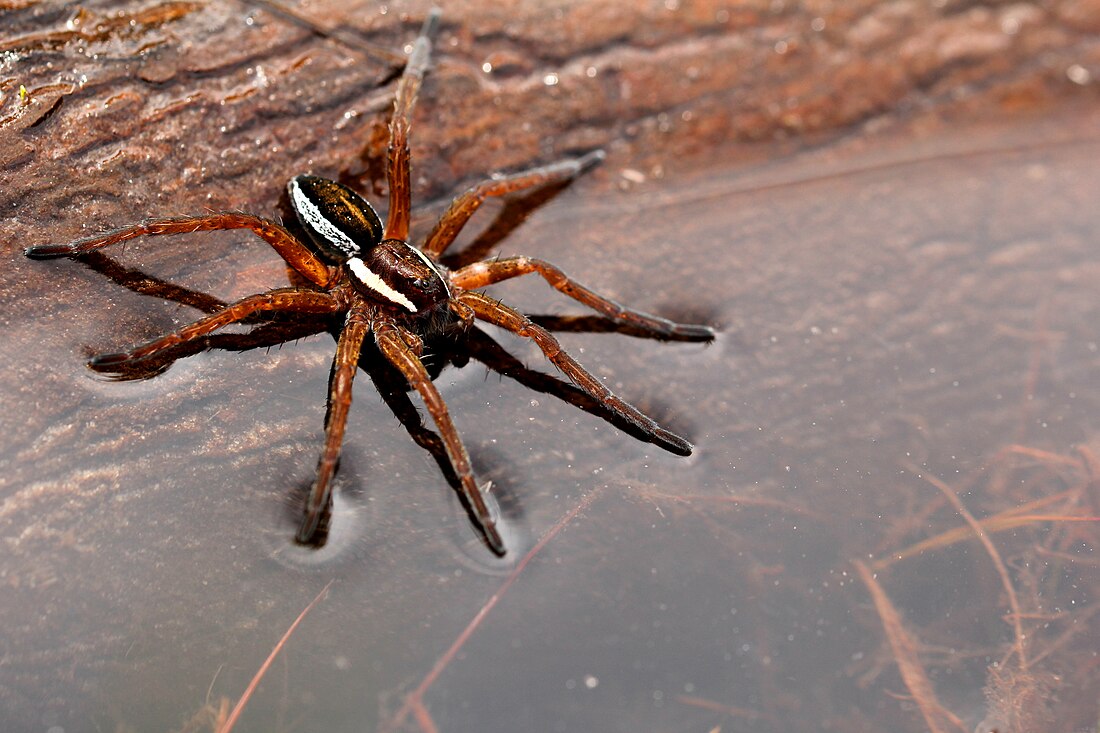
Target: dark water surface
910,305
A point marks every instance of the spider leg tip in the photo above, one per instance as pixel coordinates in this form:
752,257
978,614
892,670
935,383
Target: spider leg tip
696,332
675,444
431,22
495,542
107,360
44,251
591,159
489,531
309,529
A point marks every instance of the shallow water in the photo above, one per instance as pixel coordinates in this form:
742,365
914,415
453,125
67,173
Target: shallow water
889,307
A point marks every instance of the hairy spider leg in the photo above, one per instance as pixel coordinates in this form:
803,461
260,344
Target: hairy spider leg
397,218
344,367
393,340
464,206
296,254
283,299
498,314
481,274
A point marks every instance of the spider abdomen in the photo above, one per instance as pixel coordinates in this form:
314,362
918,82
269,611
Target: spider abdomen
341,224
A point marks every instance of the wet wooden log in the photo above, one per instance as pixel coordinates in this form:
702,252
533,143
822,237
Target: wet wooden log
108,111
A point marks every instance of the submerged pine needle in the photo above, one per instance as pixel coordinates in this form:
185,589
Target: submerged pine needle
994,555
239,707
938,718
1019,516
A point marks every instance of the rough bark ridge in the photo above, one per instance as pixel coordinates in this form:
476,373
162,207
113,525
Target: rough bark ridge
114,108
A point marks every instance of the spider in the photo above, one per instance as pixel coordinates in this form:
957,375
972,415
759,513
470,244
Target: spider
351,267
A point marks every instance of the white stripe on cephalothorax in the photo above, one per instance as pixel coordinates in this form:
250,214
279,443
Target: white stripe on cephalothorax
370,280
427,260
325,227
434,268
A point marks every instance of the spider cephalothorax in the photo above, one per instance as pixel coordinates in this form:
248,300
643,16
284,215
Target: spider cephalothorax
378,285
